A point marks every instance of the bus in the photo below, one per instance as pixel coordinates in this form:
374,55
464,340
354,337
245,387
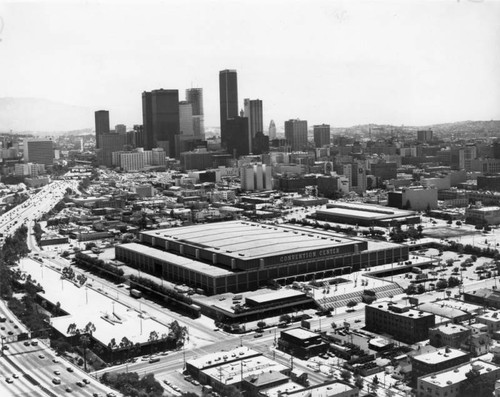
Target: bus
136,293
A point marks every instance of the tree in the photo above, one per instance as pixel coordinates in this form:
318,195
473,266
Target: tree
177,333
346,375
72,329
351,304
90,328
261,324
411,290
232,391
84,342
441,284
359,382
420,289
285,318
334,325
153,337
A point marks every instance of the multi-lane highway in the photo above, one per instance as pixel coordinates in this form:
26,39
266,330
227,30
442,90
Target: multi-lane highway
30,365
35,206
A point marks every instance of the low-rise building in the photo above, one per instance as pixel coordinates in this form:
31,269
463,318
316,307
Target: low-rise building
449,381
491,320
436,361
404,324
302,343
453,335
478,215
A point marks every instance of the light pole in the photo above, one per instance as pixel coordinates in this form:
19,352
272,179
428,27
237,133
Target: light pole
86,296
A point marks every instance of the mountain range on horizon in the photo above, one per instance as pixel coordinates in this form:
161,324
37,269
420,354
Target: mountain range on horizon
37,115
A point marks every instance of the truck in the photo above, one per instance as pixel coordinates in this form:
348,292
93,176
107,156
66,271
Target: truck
136,293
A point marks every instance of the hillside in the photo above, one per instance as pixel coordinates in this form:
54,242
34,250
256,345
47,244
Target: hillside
33,114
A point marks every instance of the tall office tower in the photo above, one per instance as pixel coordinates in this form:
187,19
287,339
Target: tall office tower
237,143
424,136
186,118
195,97
110,143
101,125
321,135
228,95
296,134
39,151
120,128
253,111
147,120
160,114
272,130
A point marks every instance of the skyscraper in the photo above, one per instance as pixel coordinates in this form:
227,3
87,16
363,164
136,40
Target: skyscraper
272,130
160,113
228,94
186,118
253,111
321,135
120,128
101,125
195,97
296,134
39,151
238,140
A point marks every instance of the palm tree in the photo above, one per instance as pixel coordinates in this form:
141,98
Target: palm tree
84,341
126,344
73,329
90,328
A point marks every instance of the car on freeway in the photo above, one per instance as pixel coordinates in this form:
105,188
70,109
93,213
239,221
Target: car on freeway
41,356
257,336
34,343
69,389
56,381
15,376
86,381
26,343
5,347
57,372
8,380
81,384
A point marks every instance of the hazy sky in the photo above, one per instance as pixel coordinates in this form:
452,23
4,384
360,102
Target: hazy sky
337,62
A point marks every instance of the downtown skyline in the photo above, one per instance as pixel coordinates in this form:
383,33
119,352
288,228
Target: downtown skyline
420,63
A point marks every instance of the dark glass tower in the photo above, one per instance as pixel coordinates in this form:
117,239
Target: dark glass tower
161,119
101,126
228,94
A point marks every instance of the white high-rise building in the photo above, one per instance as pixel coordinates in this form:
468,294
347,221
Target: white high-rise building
255,177
272,130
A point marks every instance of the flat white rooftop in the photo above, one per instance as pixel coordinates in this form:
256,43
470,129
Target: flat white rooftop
249,240
457,374
178,260
440,355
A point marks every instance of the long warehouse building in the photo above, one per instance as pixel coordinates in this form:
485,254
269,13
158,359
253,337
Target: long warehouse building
238,256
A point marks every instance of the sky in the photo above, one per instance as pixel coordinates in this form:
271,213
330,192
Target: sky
337,62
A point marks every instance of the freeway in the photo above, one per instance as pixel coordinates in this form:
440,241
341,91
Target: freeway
35,206
39,364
